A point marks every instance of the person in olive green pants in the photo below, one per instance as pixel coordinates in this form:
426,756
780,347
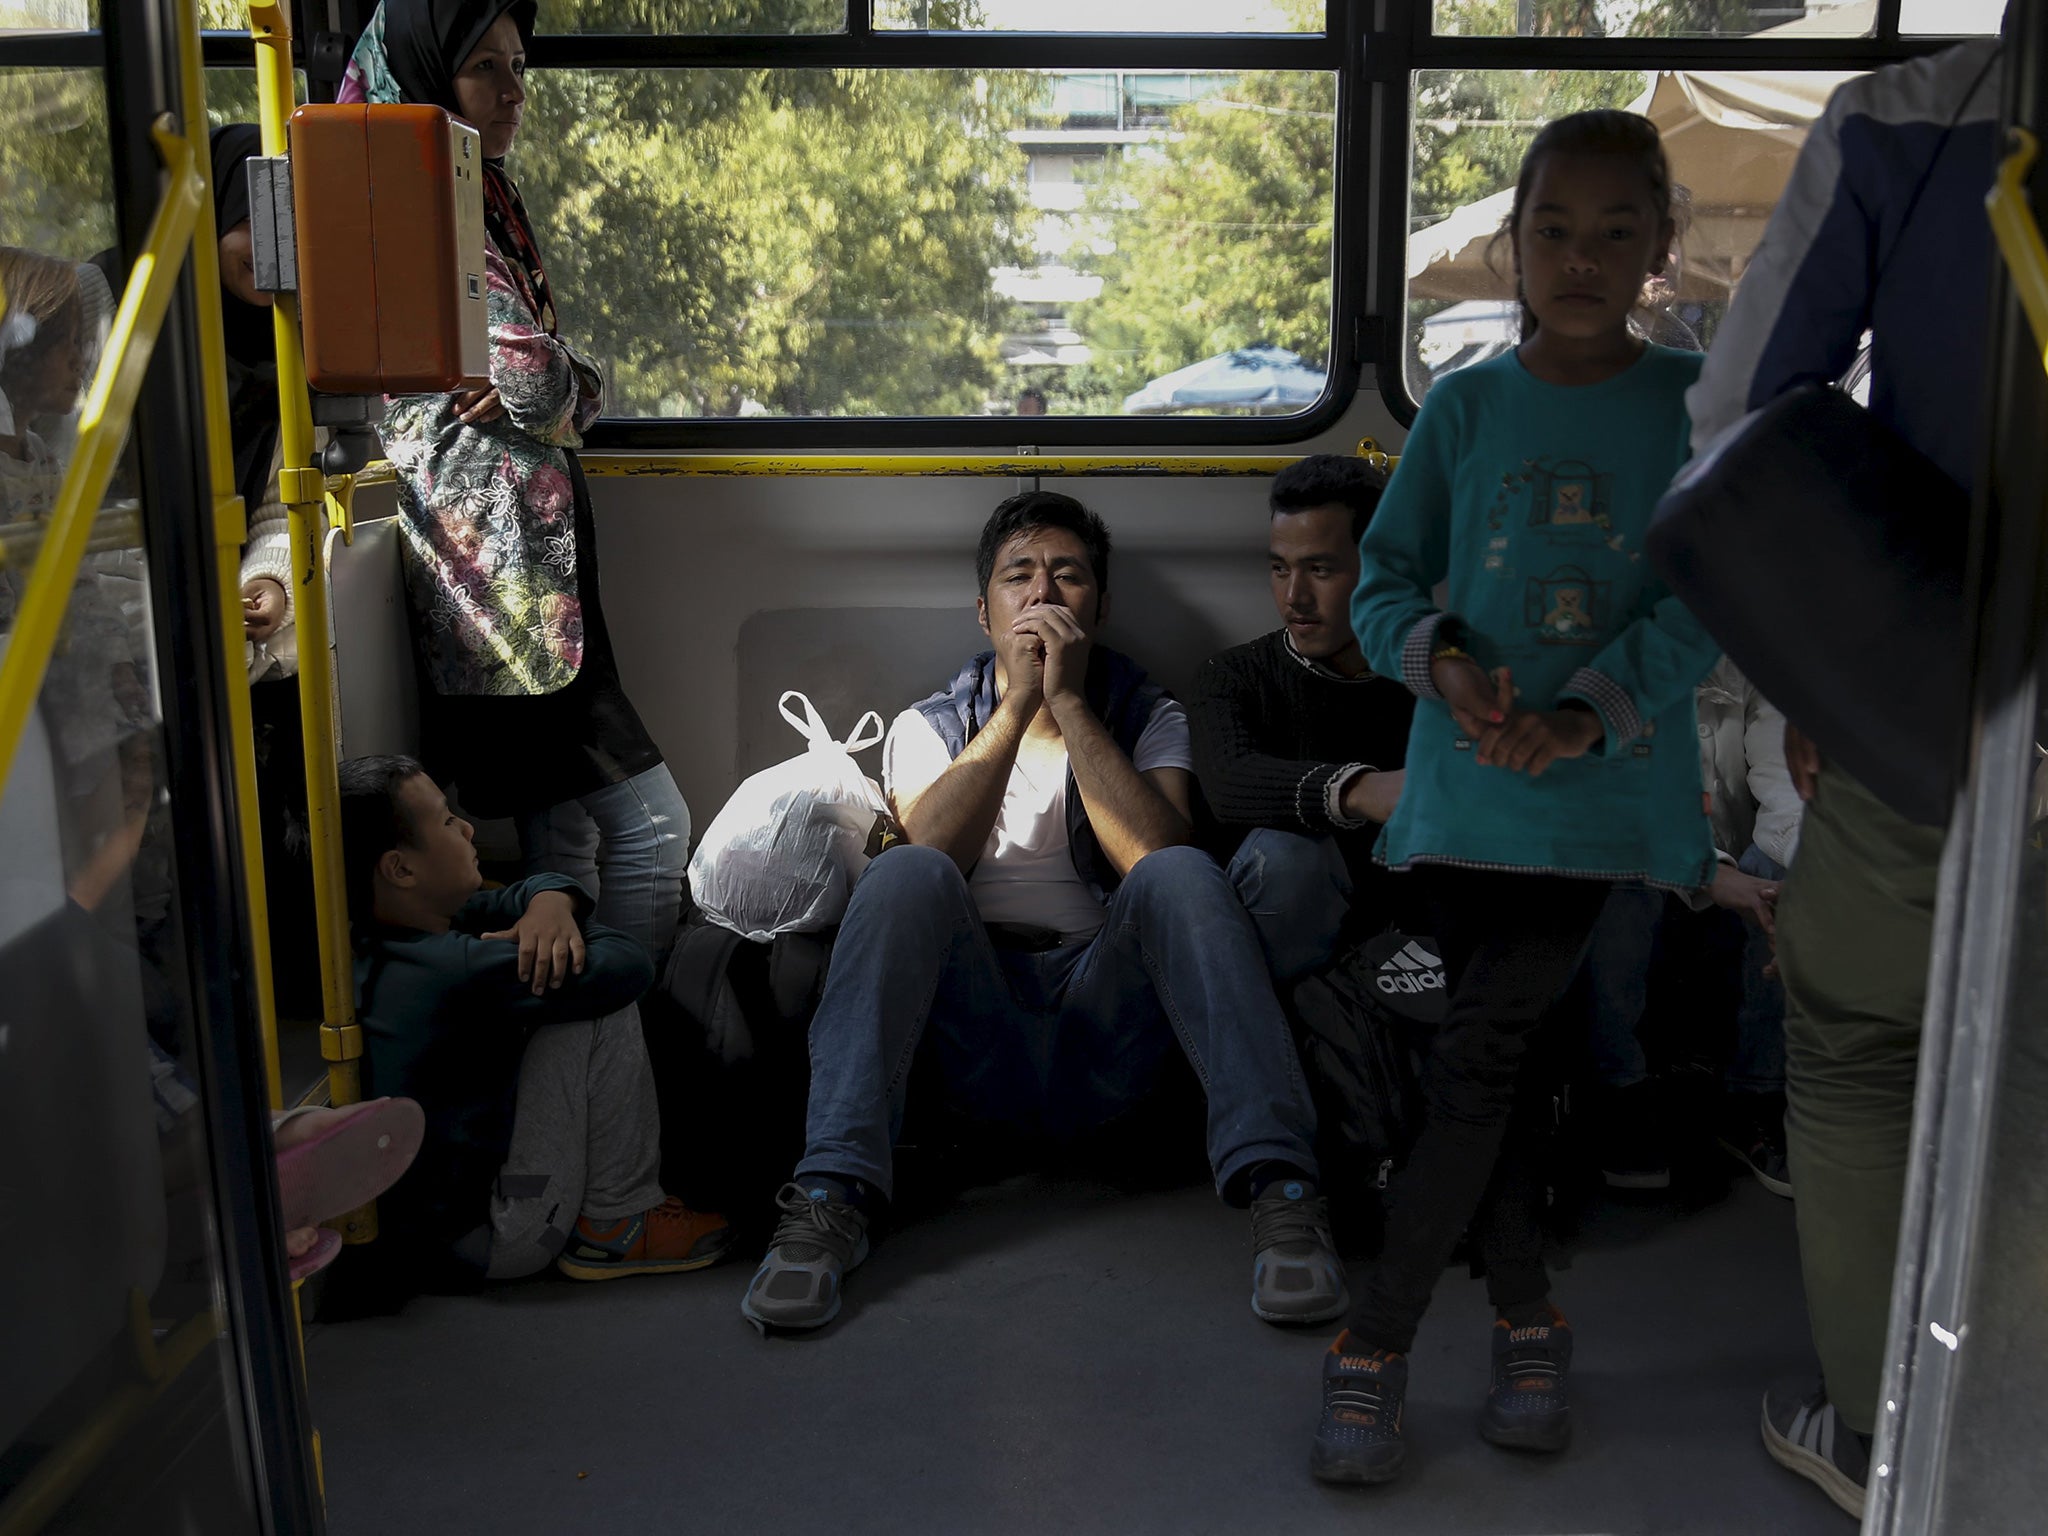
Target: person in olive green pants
1855,924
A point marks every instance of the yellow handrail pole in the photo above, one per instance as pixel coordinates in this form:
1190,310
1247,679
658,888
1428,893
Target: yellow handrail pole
103,426
798,466
304,490
2019,237
230,531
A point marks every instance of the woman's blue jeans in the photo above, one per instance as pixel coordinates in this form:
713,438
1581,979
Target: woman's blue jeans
628,844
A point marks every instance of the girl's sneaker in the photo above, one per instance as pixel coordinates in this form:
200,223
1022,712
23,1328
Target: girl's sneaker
1529,1406
666,1240
1358,1439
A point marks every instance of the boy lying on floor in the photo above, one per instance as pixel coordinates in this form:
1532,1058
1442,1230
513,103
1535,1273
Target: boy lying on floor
512,1019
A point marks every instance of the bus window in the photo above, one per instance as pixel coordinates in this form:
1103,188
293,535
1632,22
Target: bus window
924,243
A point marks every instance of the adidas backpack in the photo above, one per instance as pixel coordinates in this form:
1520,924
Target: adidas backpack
1360,1024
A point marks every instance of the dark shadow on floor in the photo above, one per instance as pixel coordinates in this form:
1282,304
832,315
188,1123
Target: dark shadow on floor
1052,1353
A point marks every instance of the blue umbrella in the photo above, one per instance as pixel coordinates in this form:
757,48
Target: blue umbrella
1264,379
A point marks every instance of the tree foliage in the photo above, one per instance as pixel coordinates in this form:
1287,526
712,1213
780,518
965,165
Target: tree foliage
807,241
799,242
1220,238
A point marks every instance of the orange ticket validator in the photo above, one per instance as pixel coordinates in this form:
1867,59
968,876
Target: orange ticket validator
388,212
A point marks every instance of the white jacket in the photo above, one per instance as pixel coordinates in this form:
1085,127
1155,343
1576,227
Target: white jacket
1750,797
269,553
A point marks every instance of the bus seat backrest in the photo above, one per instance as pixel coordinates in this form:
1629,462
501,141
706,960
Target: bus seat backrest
850,660
375,684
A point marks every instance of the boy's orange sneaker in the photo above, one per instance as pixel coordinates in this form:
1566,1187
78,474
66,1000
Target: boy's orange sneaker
663,1241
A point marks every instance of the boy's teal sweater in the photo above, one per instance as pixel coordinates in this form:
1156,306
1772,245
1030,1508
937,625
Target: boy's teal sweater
1531,500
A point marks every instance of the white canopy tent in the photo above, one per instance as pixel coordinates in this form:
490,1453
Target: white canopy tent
1732,139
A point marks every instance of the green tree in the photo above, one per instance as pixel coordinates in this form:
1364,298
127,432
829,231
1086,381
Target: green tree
1217,238
808,242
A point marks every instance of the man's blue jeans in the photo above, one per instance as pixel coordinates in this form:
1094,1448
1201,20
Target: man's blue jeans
628,844
1298,891
1054,1043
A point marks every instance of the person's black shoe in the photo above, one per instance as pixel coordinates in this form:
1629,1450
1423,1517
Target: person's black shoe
1752,1131
1633,1147
1805,1434
1529,1406
1358,1439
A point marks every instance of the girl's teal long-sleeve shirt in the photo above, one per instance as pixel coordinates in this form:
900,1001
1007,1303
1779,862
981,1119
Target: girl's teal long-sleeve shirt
1531,501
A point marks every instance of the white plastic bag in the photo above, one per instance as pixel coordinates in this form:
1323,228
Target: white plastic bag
783,853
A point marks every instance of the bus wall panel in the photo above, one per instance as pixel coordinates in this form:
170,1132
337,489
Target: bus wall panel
723,593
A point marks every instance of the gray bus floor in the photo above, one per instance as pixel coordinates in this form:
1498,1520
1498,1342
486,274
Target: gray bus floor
1049,1354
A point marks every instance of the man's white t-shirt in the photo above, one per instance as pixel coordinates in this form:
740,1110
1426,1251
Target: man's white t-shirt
1026,874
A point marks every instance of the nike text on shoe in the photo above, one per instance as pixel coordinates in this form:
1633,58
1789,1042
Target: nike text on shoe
665,1240
817,1241
1528,1408
1296,1274
1805,1434
1358,1439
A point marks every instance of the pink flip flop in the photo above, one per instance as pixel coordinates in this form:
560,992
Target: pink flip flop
354,1159
319,1256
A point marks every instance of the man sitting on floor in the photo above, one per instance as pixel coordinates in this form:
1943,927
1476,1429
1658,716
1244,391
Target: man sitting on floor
512,1019
1297,739
1048,934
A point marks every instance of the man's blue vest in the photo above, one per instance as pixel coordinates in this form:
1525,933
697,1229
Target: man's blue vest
1119,694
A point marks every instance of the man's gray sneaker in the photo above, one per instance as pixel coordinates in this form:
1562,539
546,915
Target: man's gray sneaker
1296,1274
1805,1434
817,1241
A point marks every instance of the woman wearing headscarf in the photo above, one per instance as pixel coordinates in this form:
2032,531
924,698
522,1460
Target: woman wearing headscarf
268,609
522,705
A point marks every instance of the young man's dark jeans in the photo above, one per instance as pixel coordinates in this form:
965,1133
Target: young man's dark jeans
1510,945
1057,1042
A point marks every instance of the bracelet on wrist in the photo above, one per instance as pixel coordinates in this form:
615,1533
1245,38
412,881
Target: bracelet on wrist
1450,653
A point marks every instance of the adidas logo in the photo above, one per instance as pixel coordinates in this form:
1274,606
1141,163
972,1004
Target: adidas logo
1411,969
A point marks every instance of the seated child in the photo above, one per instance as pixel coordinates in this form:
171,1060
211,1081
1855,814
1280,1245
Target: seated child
512,1019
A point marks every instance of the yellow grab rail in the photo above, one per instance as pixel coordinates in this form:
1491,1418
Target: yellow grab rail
103,427
2019,237
230,532
304,491
800,465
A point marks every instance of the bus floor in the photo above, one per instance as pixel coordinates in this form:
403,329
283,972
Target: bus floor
1050,1353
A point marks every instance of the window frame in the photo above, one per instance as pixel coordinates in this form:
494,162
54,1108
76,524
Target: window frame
1373,49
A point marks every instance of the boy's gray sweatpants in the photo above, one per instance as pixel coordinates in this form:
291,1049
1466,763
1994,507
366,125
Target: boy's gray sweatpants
586,1140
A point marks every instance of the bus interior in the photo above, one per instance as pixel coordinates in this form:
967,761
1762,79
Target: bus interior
855,272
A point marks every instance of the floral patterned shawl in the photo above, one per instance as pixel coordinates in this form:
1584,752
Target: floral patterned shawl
489,510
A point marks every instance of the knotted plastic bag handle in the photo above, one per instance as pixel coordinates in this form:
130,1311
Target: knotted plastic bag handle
813,729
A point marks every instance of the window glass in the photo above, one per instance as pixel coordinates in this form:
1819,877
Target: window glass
1732,139
56,195
1098,15
231,94
1950,18
48,15
693,18
102,1074
1656,18
936,242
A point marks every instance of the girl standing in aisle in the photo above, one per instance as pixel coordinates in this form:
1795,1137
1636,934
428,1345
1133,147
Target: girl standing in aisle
1552,753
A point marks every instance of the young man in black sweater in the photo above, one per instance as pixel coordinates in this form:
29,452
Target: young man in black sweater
1298,743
